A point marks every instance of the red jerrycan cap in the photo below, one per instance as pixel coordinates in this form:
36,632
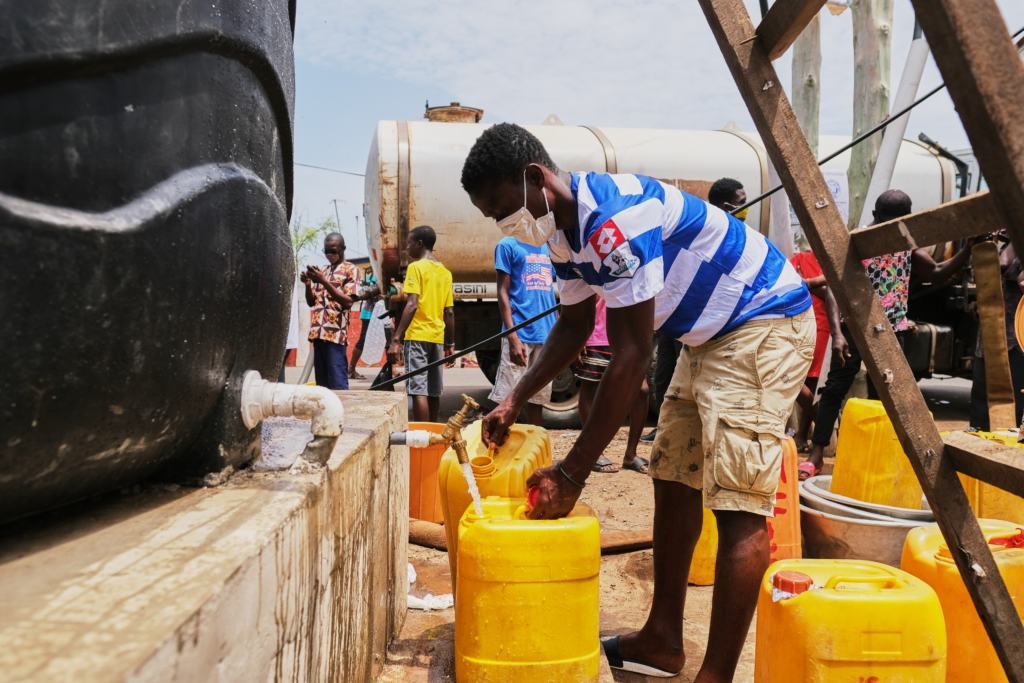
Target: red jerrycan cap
792,582
532,495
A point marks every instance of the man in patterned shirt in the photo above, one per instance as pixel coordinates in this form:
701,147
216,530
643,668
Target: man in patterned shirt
890,276
330,293
663,261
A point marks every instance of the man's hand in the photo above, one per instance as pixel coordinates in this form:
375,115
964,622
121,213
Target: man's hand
304,278
840,348
395,352
516,350
557,494
448,351
315,275
494,428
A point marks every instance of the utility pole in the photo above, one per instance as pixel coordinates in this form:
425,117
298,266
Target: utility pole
336,216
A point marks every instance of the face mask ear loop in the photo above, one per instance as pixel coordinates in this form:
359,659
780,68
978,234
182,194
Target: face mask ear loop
546,205
524,188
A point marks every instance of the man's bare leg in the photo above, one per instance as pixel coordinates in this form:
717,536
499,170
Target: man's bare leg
637,420
535,414
805,399
420,409
743,558
678,518
434,406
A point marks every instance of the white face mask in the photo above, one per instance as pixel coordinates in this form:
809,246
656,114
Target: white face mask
524,228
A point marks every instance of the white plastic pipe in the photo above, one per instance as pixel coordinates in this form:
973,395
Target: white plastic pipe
894,132
261,399
414,438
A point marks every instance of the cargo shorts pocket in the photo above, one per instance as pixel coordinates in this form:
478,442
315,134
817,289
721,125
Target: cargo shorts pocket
748,451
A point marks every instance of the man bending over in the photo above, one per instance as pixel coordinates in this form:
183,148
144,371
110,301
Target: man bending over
663,261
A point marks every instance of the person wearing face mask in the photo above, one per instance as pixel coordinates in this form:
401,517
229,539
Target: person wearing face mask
666,261
728,195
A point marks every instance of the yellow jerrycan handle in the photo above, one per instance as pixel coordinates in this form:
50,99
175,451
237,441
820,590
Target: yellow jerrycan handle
889,581
521,512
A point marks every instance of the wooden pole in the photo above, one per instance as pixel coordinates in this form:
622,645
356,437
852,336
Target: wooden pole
872,58
772,114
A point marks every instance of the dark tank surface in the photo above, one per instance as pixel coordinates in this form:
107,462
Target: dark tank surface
145,262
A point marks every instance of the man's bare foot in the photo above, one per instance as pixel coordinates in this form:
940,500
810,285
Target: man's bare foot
355,375
639,646
605,465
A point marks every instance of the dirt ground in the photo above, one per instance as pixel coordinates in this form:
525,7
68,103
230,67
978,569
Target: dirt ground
623,501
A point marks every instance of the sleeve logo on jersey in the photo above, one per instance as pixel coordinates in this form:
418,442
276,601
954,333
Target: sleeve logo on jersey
614,250
606,238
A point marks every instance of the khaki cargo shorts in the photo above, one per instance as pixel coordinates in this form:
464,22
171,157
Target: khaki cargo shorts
724,415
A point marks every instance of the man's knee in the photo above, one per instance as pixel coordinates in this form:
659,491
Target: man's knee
737,525
676,495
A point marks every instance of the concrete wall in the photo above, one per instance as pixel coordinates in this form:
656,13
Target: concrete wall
269,577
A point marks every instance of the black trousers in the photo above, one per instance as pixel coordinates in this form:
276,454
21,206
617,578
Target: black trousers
837,386
668,354
979,390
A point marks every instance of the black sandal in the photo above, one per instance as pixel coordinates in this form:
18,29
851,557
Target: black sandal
604,462
637,463
616,661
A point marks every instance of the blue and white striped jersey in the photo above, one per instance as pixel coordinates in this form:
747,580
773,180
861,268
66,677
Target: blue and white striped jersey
637,239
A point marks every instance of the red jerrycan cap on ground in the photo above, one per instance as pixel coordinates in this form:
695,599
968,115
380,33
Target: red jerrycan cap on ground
792,582
532,495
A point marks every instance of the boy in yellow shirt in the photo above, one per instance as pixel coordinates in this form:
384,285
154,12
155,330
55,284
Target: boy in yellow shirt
427,324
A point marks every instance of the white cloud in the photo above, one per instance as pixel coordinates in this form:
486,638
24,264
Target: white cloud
646,63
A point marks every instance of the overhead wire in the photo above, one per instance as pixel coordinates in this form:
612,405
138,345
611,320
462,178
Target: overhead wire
857,140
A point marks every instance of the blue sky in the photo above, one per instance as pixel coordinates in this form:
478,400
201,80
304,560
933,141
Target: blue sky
641,64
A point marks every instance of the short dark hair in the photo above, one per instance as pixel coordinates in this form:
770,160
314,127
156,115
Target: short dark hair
723,189
334,237
501,154
892,204
425,234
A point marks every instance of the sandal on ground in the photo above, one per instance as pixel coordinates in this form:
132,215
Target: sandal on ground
802,447
806,470
355,375
637,463
615,661
604,462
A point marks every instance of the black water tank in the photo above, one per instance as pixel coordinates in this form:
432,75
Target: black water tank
145,262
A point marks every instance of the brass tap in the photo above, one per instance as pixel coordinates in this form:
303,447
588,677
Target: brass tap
452,433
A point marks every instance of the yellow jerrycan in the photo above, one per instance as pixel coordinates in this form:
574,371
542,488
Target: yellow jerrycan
705,555
526,607
870,463
501,473
847,620
783,528
989,501
971,656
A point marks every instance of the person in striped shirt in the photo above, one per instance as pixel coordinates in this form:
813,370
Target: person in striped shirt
663,261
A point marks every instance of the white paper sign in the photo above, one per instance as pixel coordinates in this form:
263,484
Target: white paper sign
839,186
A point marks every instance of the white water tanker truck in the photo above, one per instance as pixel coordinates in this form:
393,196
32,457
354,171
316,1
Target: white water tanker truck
413,178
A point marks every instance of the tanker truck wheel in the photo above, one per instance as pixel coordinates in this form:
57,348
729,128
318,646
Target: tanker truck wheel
563,410
488,360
